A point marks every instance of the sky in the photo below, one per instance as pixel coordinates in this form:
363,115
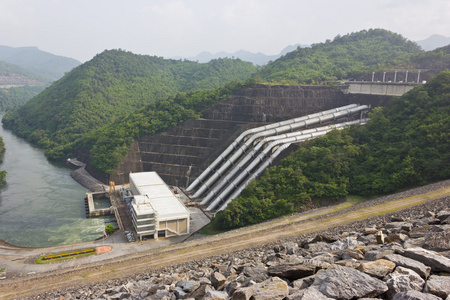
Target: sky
81,29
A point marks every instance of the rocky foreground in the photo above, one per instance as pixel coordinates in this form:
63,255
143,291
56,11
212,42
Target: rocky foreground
404,255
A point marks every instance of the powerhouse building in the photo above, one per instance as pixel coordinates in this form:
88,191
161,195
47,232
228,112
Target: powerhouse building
155,210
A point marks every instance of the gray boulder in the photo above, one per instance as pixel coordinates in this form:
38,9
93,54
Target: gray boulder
289,248
412,243
313,293
417,266
347,283
351,263
256,272
179,293
396,237
378,268
414,295
402,280
438,241
218,280
438,285
443,215
318,247
272,288
292,271
303,283
394,225
351,253
370,230
437,262
343,244
188,286
210,293
377,254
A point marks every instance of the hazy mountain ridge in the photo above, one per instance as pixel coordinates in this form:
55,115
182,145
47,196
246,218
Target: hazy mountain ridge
26,71
433,42
38,61
258,58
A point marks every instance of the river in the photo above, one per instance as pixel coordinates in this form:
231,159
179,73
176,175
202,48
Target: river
41,205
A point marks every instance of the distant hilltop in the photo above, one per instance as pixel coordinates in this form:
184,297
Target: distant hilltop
433,42
34,60
259,58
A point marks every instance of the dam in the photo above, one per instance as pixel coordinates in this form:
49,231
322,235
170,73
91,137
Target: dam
180,154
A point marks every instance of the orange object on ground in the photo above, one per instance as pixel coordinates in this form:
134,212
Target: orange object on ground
103,249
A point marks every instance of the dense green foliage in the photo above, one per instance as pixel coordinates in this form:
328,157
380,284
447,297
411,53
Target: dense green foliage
109,229
404,145
2,151
438,59
106,89
16,96
110,143
346,56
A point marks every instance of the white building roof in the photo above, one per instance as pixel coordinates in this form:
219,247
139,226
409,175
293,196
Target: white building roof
160,197
142,205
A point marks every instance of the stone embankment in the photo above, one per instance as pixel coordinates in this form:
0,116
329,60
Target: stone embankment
402,255
80,175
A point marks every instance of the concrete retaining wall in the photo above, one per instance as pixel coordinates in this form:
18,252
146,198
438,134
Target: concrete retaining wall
379,88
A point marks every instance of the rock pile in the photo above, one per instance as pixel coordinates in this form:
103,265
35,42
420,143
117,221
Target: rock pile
406,257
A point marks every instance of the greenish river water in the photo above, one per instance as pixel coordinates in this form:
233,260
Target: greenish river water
41,205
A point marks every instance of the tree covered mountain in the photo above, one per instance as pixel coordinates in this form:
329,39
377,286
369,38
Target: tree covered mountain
346,56
436,60
405,144
107,88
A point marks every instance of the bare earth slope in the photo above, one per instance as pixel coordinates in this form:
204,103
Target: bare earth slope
285,228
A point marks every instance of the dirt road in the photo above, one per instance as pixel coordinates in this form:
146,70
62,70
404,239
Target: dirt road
209,246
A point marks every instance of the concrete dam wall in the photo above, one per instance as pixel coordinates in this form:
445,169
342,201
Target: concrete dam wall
181,153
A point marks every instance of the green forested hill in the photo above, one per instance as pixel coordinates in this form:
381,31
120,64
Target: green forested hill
438,59
110,86
404,145
346,56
